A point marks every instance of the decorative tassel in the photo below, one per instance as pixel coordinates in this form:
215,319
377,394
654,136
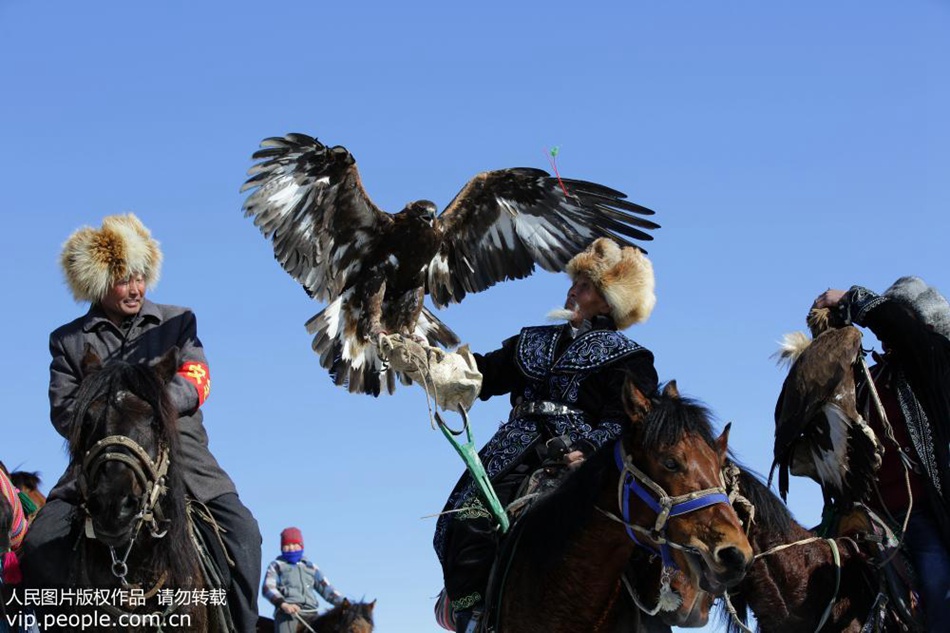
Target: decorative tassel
11,569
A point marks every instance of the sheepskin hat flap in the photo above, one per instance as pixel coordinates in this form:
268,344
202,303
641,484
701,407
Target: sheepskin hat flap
624,276
925,301
94,259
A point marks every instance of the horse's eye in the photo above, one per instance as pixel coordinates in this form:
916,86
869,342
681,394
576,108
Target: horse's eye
671,464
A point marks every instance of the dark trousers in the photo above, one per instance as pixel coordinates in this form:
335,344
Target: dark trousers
472,543
52,537
931,558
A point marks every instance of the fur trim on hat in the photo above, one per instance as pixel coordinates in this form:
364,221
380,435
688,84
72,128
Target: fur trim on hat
624,276
94,259
925,301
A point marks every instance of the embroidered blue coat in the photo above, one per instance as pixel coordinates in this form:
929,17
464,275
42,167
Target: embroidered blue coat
586,373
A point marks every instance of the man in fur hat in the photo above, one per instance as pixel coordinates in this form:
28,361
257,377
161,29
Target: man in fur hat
912,379
565,384
112,268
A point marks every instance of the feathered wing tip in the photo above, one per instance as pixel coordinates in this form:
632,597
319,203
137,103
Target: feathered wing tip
94,259
792,345
355,363
624,276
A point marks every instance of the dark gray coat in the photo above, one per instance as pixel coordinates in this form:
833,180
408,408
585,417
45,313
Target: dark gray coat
143,338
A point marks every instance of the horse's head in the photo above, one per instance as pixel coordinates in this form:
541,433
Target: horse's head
122,434
674,485
346,617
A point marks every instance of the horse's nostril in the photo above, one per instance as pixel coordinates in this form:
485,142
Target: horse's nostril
731,558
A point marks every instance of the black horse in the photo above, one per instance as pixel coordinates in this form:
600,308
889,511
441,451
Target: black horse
134,533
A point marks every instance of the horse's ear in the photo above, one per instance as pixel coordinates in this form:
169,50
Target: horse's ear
671,390
635,403
722,442
90,362
167,365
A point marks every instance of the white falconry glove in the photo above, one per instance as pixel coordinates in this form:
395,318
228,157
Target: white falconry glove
450,378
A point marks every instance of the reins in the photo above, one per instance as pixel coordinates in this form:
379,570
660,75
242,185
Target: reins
836,557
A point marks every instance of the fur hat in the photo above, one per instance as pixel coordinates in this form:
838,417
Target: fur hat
924,301
291,536
94,259
624,276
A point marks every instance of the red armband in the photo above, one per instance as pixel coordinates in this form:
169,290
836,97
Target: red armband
198,375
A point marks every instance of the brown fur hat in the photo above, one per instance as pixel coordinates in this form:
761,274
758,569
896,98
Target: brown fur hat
624,276
94,259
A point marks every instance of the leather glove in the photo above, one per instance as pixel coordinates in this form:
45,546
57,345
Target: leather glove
450,378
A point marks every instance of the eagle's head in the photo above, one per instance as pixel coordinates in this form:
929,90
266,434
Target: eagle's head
424,210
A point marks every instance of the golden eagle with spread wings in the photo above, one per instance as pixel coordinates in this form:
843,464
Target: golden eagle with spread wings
819,431
373,268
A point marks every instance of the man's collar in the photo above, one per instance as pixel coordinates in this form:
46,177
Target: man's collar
599,322
96,316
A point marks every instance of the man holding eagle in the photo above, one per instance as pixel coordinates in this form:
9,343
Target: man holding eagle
879,437
374,269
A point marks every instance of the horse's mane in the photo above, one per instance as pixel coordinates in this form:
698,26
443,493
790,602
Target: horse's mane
140,380
113,377
770,512
772,516
555,518
25,480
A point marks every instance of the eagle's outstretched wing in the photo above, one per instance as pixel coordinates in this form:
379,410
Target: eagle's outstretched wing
310,203
819,431
504,222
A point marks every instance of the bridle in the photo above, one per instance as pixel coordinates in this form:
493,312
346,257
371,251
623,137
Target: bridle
151,476
635,484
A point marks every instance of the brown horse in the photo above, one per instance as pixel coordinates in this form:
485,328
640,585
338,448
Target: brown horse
801,582
347,617
29,483
653,500
135,531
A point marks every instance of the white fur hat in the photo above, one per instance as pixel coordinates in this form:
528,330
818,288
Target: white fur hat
925,301
624,276
94,259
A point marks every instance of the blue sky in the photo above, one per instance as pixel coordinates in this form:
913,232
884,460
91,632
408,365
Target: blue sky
786,147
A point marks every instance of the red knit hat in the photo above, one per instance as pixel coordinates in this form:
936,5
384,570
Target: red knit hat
290,536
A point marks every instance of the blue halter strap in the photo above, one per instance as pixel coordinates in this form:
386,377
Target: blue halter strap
634,482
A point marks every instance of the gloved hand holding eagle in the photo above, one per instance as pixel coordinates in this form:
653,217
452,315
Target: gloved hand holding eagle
373,269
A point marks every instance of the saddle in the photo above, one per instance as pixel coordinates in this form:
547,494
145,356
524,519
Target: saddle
546,477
